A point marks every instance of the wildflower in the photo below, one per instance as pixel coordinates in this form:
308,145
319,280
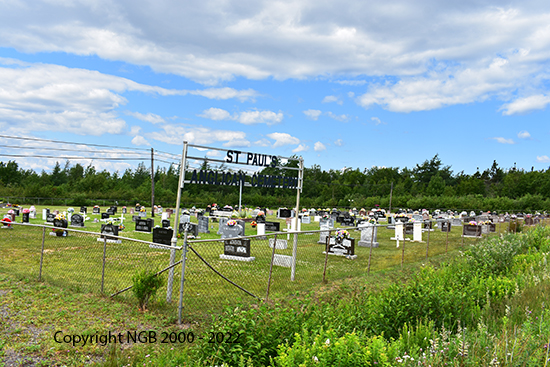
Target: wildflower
327,342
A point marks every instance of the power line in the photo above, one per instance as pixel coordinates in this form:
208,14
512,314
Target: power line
76,157
68,142
67,150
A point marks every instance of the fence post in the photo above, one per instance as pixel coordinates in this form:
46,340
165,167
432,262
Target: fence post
403,250
183,258
271,267
371,242
447,240
327,241
42,253
103,270
428,240
294,252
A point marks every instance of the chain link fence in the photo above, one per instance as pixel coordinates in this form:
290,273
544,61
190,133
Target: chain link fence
221,272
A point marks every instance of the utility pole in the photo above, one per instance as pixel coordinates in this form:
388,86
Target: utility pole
152,184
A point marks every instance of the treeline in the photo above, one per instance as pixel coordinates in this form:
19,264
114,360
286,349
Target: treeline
427,185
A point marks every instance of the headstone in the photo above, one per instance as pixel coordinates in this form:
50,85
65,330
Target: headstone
342,247
109,229
369,234
456,222
143,225
60,223
231,231
50,218
324,226
45,213
446,226
165,224
204,224
112,210
398,234
469,230
273,226
417,231
306,219
185,218
222,223
96,210
77,220
124,210
284,213
142,214
25,217
237,249
280,245
135,218
192,228
105,215
409,228
163,236
84,210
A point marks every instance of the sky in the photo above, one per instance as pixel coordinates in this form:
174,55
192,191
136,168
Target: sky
342,83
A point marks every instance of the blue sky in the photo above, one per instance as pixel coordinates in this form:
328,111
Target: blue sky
341,83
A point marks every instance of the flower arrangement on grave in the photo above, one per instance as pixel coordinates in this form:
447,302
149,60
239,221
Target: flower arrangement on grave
185,212
26,211
7,222
231,223
372,221
326,216
487,222
60,216
472,223
341,234
253,224
121,227
401,215
96,206
142,209
70,210
304,210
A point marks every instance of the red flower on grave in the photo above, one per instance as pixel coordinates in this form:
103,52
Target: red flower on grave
253,224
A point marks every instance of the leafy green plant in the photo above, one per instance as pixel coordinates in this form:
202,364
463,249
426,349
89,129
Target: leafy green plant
145,286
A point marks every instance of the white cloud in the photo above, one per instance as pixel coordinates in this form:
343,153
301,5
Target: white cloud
543,159
260,117
342,118
300,148
213,153
524,105
177,134
377,121
353,83
312,114
339,142
139,140
330,99
318,147
246,118
262,143
283,139
504,140
216,114
524,135
226,93
149,117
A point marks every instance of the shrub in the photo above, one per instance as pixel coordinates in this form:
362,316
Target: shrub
145,286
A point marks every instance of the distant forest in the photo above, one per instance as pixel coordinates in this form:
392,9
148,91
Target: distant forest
429,185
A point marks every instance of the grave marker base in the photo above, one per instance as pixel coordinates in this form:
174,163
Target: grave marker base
109,241
238,258
282,260
351,257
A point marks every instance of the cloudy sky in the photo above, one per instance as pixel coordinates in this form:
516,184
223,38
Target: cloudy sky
340,82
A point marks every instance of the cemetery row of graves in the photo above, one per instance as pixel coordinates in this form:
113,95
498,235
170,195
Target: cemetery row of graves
231,256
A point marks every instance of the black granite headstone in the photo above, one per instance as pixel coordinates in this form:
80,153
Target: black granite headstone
25,217
284,213
105,215
83,209
50,218
192,228
163,236
77,220
111,229
143,225
237,247
273,226
165,223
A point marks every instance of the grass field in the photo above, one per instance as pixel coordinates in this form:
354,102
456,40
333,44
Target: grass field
69,296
